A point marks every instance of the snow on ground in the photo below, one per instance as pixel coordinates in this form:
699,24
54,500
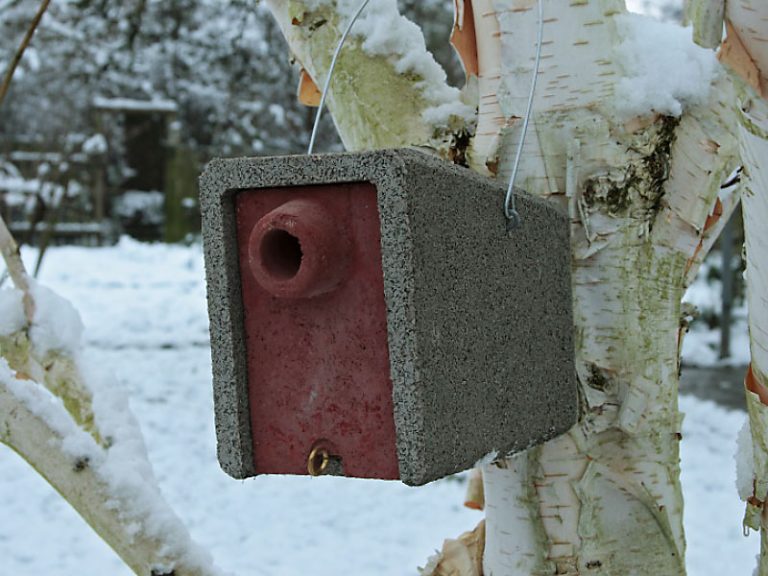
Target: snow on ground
657,8
713,511
144,311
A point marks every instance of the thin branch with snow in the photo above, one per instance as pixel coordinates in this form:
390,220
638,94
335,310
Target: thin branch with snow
74,427
6,84
16,270
110,492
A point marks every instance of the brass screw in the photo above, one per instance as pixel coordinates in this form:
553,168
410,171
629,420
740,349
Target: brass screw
318,460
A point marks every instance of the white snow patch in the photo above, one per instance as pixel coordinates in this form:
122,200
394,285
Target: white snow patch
19,185
113,414
315,4
701,344
129,104
49,408
440,115
56,324
700,348
745,463
278,113
655,8
385,32
713,510
11,311
145,206
96,144
664,70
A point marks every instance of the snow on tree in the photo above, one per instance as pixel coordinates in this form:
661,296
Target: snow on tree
224,63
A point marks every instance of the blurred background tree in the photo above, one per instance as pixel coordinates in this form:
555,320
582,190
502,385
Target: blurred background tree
168,85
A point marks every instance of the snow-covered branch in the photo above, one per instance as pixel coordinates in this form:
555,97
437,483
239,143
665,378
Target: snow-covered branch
75,429
387,90
18,274
112,489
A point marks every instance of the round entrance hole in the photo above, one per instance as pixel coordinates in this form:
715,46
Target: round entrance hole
281,254
299,250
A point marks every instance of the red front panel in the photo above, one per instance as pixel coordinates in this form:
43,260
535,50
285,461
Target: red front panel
316,328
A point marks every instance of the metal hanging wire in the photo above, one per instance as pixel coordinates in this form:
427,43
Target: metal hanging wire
510,205
327,84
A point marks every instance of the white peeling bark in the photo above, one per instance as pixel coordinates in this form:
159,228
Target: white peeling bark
707,19
749,19
745,54
754,143
490,119
514,537
691,219
754,139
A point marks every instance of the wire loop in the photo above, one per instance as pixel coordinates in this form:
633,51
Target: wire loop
510,205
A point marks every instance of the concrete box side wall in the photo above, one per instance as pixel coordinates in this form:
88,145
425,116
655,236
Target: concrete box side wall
493,318
397,265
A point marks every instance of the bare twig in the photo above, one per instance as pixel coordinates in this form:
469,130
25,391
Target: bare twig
22,48
10,252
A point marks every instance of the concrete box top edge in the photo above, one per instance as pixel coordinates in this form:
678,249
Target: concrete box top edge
301,169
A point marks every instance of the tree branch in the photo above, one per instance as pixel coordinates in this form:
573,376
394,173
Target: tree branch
387,91
141,530
22,48
10,252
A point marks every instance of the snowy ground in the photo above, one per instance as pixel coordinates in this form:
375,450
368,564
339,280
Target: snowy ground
144,310
657,8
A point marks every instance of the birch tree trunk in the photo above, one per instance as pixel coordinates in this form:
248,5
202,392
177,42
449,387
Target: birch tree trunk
642,188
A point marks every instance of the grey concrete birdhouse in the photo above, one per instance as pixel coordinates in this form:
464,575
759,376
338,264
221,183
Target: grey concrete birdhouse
371,316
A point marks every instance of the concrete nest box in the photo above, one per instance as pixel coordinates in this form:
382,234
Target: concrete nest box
371,316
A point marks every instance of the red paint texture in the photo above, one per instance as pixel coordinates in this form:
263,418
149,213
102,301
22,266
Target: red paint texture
316,328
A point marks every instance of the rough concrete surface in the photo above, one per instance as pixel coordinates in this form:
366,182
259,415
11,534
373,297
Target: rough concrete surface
479,319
